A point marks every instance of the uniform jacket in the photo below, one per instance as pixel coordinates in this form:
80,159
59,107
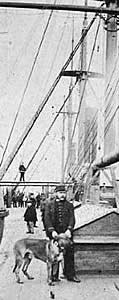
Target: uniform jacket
68,216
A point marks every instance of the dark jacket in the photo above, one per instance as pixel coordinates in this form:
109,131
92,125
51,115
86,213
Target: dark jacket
68,220
30,214
22,168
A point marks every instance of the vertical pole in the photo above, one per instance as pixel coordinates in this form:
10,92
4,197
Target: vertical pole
1,198
111,42
70,111
83,67
111,56
43,189
4,65
63,146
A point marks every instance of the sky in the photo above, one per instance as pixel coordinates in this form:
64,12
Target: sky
20,35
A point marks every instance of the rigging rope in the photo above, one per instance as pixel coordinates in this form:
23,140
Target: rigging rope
27,83
22,50
70,92
57,115
42,157
74,173
82,93
37,165
44,102
47,132
55,55
77,168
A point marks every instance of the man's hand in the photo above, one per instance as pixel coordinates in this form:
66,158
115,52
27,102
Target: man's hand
54,234
68,233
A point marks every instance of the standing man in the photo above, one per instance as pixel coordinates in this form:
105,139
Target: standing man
30,216
59,218
22,170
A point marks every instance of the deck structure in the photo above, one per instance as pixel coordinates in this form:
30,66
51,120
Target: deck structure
96,240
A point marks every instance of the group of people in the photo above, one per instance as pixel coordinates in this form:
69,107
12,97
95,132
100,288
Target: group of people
58,217
14,198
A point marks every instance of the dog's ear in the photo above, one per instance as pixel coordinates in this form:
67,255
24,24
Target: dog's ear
55,242
64,242
61,236
56,238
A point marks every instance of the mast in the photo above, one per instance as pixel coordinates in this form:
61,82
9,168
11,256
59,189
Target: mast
83,66
63,145
31,123
111,40
111,116
69,111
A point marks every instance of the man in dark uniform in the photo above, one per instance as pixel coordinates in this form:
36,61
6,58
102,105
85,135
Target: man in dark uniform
22,170
59,218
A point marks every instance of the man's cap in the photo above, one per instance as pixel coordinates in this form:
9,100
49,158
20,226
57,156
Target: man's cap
60,188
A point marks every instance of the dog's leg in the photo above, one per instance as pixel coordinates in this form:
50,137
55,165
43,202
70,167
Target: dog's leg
62,265
27,260
17,267
49,272
62,269
55,272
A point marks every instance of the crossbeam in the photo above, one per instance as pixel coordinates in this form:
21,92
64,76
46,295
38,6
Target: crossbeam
61,7
33,183
80,73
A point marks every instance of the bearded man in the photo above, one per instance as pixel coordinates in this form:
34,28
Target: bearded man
59,218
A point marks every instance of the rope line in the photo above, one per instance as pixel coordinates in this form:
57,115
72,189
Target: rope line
81,99
44,102
47,132
27,83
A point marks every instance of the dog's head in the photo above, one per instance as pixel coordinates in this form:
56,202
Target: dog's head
63,242
54,252
57,248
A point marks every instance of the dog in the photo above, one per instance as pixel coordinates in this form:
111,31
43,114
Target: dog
49,251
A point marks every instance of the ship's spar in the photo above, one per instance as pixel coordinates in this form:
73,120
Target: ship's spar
62,7
16,148
114,11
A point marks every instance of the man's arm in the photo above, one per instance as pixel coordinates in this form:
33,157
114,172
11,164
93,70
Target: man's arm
71,217
48,218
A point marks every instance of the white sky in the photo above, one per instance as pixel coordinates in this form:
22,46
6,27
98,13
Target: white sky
21,32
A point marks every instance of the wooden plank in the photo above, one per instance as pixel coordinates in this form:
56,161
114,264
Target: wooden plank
96,240
96,259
